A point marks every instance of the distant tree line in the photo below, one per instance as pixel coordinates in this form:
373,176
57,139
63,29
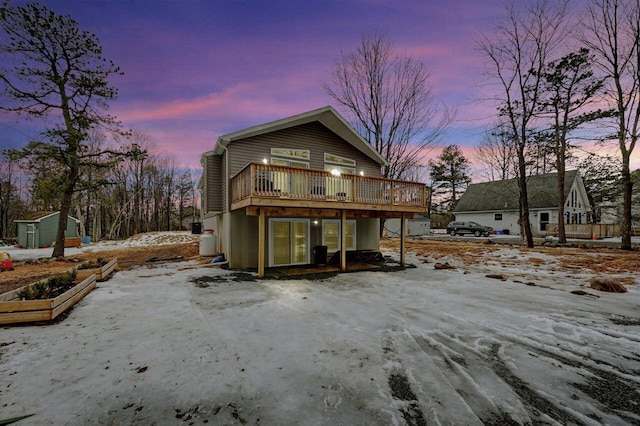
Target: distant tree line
142,192
84,163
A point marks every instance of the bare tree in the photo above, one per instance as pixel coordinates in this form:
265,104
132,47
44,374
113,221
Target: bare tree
389,100
523,43
612,32
184,196
52,68
11,205
496,153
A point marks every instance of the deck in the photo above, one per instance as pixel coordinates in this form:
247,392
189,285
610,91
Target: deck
263,185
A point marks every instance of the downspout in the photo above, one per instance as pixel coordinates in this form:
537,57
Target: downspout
227,206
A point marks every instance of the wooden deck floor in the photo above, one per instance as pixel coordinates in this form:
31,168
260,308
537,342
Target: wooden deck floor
319,271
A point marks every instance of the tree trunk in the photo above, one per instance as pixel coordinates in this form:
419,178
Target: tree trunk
562,236
627,192
524,200
58,250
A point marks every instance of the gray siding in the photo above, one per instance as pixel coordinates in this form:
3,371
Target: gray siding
312,136
22,234
213,184
224,180
48,228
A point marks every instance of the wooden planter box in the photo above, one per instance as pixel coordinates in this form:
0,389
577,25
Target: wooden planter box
73,241
13,310
101,273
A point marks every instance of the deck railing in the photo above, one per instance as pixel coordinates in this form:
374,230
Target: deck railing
263,180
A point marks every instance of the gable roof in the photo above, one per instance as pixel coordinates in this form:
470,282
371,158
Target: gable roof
327,116
504,194
38,216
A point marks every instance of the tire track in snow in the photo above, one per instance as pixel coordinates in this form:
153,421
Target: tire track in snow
611,386
400,386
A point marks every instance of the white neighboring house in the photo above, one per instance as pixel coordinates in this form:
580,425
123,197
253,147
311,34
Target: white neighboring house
496,204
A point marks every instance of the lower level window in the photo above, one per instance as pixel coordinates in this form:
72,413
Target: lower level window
331,234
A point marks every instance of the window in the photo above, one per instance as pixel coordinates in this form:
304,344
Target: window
339,187
299,154
331,234
290,182
339,164
497,216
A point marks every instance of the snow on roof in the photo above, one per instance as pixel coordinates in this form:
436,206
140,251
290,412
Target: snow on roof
40,215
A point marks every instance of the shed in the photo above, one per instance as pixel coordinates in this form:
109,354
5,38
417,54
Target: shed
418,226
39,229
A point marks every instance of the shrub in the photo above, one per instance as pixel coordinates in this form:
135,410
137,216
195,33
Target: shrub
52,287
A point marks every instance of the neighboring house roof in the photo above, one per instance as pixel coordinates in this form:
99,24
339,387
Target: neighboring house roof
504,194
38,216
327,116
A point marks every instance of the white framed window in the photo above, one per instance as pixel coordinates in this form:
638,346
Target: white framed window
331,234
296,154
288,182
338,187
337,164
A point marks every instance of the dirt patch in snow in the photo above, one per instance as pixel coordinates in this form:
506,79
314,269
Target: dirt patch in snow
138,249
128,257
566,259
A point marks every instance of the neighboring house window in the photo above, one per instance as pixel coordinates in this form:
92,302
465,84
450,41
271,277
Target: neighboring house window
331,234
497,216
573,199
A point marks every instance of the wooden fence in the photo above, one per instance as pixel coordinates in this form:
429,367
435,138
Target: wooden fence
586,230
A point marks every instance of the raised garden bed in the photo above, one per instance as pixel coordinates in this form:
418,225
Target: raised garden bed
14,309
102,269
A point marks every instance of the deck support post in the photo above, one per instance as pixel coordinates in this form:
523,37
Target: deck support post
403,231
343,241
261,242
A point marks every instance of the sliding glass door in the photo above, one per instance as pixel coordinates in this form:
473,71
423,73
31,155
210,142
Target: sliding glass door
289,242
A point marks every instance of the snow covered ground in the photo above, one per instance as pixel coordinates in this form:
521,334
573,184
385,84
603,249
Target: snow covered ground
181,343
139,240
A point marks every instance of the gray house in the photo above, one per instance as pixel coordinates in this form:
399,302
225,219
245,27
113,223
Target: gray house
279,193
496,204
39,229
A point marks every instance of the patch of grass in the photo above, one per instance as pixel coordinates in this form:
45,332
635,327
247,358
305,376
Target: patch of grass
99,263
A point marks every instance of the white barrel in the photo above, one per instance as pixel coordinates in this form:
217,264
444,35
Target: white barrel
208,243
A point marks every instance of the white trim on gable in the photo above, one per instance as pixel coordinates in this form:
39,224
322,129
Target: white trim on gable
327,115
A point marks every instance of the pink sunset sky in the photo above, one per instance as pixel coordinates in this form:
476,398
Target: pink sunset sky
196,69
